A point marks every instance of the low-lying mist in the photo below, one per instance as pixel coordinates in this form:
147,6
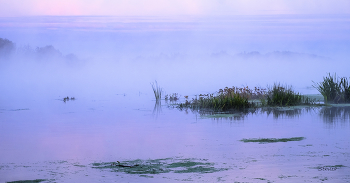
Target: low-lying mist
188,58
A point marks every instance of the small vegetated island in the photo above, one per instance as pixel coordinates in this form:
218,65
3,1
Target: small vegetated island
334,90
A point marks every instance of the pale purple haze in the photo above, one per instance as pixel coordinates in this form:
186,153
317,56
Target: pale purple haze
106,54
170,7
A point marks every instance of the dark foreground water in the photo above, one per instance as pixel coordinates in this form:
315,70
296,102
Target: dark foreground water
129,139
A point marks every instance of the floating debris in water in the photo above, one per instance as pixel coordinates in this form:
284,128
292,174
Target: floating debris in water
67,99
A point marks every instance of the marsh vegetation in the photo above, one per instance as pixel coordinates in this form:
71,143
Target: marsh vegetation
334,89
243,98
225,99
67,99
280,95
157,90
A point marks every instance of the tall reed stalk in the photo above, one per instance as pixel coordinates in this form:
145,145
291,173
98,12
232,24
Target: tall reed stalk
157,90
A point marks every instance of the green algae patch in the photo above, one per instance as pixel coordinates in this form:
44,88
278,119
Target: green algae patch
158,166
147,176
272,140
189,166
222,116
328,167
28,181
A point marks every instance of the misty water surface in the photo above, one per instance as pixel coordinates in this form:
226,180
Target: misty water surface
108,63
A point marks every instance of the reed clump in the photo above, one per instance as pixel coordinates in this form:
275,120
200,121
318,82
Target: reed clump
334,89
224,99
157,90
242,98
279,95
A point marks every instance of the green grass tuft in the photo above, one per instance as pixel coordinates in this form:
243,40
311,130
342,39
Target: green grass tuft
229,98
279,95
334,89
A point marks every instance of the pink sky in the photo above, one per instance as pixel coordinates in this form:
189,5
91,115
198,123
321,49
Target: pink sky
170,7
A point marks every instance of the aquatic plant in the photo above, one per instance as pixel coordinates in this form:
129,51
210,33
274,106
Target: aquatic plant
172,97
160,166
243,98
224,99
157,90
345,89
273,140
279,95
67,99
334,89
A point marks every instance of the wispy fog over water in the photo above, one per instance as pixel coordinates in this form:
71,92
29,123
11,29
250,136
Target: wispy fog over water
76,102
185,54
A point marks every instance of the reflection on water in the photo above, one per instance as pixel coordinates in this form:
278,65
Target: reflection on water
157,108
242,114
335,114
122,141
328,114
289,112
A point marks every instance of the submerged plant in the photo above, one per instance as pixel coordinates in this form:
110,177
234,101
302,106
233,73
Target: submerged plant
334,89
273,140
157,91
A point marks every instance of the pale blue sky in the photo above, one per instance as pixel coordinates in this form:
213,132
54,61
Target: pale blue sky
171,7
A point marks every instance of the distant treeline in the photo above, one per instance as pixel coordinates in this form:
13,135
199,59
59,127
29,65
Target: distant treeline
9,49
274,54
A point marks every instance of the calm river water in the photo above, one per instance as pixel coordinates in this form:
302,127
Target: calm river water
127,138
